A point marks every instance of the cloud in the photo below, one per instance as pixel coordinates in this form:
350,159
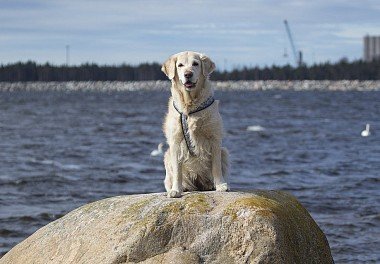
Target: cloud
242,31
356,32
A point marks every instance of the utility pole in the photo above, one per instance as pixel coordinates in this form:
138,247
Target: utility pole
67,55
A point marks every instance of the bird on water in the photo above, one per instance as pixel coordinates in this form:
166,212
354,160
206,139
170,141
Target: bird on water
159,151
366,132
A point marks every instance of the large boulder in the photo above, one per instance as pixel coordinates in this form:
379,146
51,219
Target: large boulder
201,227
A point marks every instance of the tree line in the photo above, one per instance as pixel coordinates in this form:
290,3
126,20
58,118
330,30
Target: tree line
342,70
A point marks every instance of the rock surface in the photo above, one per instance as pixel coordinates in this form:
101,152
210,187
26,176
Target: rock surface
208,227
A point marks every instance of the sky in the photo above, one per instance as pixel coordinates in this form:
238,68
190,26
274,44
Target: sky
232,33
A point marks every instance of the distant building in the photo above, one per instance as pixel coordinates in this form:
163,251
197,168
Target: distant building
371,48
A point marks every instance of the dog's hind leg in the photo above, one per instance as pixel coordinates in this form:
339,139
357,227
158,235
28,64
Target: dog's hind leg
225,170
220,168
225,164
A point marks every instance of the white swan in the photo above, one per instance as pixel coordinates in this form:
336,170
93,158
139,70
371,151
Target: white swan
255,128
366,132
159,151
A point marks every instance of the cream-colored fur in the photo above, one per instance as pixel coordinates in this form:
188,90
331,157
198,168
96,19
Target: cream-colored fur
208,168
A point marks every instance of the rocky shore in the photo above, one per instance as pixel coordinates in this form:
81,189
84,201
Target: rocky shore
208,227
345,85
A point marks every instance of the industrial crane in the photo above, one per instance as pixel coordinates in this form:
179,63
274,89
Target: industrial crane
297,56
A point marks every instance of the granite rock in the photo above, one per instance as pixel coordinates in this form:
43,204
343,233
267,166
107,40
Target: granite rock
200,227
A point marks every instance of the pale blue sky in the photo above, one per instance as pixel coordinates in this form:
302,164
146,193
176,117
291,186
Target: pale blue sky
233,33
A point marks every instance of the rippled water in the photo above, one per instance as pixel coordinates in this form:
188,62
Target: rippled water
60,150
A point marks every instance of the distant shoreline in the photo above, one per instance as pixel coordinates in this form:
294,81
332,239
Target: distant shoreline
34,72
108,86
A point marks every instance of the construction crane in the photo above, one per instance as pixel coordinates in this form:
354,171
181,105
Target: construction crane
297,56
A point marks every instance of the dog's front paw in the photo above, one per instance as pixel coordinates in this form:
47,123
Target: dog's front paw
222,187
174,194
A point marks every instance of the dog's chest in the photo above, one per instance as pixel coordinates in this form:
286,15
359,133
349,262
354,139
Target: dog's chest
196,128
201,132
195,134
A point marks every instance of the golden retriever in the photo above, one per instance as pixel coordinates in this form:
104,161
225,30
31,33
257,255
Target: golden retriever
195,160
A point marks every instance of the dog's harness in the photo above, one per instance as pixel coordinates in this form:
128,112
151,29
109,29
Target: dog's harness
185,126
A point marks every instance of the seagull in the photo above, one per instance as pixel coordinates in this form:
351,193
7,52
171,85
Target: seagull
255,128
158,151
366,132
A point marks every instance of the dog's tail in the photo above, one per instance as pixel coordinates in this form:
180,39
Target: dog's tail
225,164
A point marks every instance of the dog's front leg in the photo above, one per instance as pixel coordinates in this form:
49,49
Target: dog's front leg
219,181
176,190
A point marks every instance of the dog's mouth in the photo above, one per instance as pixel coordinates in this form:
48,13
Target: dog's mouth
189,85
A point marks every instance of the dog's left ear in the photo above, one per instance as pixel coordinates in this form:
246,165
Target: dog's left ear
169,67
208,66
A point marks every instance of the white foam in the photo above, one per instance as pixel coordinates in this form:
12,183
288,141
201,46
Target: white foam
255,128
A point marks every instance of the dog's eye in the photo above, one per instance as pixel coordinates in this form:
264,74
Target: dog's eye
195,63
180,65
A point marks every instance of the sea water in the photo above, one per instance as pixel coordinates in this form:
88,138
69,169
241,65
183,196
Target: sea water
62,149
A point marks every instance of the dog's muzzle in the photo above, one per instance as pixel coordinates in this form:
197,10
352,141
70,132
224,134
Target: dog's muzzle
189,85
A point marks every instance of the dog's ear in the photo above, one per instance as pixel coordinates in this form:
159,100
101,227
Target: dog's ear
208,66
169,67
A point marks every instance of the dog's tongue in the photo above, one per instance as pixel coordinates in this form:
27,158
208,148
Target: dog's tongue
189,84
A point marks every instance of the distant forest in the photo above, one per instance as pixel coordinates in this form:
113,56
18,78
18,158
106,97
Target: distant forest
31,71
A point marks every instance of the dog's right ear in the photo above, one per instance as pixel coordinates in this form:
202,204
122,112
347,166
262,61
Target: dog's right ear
169,67
207,64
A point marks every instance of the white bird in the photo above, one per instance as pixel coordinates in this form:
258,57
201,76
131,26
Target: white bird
255,128
159,151
366,132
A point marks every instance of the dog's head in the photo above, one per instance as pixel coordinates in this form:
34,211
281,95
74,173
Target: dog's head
189,68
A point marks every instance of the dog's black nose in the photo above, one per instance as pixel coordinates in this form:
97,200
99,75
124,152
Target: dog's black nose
188,75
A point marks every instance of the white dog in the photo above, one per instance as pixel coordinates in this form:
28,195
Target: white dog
193,128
